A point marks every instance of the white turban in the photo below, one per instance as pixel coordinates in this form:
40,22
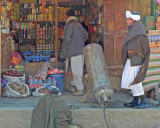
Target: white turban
132,15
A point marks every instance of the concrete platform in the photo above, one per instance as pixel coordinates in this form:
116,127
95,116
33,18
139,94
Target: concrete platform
88,118
16,113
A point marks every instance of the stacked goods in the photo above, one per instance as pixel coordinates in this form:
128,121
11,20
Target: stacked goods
153,73
31,33
47,1
78,2
23,25
62,14
14,12
45,31
45,35
59,45
26,47
47,15
44,47
14,76
61,32
64,1
31,12
150,22
158,23
28,1
154,40
13,73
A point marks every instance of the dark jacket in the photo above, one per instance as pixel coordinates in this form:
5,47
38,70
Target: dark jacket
74,39
136,48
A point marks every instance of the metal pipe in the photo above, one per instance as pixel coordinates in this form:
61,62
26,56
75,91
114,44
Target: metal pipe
98,73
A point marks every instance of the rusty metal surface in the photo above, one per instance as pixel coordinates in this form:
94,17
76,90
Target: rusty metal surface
97,70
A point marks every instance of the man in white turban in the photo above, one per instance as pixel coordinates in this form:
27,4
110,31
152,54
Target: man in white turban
135,56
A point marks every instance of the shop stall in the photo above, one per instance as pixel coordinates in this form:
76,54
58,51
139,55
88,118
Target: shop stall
35,36
5,48
152,23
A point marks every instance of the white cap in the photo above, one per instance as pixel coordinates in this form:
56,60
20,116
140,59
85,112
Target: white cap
133,15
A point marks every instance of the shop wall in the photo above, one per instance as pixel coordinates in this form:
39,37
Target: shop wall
115,29
6,51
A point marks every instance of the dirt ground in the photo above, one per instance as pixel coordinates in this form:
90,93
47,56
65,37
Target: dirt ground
123,96
119,97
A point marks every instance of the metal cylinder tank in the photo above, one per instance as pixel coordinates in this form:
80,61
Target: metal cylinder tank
98,72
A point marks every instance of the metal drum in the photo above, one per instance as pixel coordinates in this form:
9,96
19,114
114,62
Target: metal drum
98,73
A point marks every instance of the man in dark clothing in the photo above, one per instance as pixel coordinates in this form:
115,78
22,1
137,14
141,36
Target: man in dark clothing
135,57
74,40
86,27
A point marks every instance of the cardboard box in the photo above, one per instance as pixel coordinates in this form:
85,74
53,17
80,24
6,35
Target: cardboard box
150,22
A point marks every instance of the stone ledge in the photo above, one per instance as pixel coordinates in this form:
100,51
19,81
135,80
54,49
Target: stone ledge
88,118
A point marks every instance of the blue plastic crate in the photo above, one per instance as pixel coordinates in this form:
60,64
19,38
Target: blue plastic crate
27,53
37,58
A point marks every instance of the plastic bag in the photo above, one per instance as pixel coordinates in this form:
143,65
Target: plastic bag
15,58
42,73
9,92
55,71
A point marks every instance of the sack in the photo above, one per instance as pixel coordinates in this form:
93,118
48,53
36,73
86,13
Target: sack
51,111
15,79
9,92
38,93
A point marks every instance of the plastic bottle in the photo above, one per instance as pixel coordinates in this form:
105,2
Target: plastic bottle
49,81
31,83
35,83
54,81
40,83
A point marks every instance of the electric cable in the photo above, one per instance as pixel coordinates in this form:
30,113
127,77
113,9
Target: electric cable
105,116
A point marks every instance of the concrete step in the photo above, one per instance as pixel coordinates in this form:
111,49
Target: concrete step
20,117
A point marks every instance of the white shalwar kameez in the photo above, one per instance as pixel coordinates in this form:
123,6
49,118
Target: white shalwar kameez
128,76
77,63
